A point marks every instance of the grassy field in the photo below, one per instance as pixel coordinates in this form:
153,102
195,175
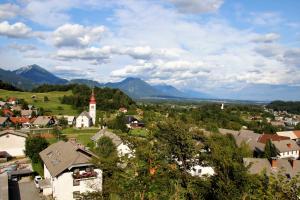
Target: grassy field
53,104
82,135
139,132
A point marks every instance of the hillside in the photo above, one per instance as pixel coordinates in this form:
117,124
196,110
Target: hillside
15,80
53,104
136,88
39,75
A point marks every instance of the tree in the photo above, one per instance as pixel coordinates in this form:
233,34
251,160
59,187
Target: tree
33,146
105,147
119,123
46,98
270,150
62,122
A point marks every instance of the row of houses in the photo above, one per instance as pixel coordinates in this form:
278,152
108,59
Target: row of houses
286,162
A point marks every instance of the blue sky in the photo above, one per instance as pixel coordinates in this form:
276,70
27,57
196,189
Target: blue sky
206,45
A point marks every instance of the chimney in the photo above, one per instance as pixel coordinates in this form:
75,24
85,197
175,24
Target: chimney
289,145
274,162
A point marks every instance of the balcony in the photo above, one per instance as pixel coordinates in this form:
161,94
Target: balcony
85,175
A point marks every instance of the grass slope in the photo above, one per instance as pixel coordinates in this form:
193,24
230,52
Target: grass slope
53,104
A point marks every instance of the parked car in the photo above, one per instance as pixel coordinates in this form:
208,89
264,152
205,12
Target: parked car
37,180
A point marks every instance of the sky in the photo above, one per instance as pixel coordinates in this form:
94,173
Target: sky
204,45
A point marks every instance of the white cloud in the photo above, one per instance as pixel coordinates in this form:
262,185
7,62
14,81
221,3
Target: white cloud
75,35
265,18
267,38
99,55
8,11
17,30
197,6
22,48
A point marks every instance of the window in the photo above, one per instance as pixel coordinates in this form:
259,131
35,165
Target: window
76,195
199,171
76,182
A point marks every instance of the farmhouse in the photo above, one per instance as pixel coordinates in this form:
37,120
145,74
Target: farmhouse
122,148
13,142
68,171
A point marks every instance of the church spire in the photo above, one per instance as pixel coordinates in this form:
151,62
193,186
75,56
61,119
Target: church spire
92,99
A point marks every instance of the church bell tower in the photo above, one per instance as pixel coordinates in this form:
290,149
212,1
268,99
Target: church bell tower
92,110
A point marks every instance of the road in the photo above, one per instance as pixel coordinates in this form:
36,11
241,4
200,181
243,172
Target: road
23,191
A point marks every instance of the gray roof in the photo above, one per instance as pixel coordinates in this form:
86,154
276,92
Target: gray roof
4,186
14,132
286,145
42,120
86,114
3,119
26,112
104,132
63,155
247,136
258,165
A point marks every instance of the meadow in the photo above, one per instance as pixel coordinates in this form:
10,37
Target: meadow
37,100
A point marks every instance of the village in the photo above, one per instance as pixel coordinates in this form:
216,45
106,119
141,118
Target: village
66,163
68,169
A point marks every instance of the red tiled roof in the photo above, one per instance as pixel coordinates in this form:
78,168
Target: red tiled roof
11,99
265,137
297,133
7,111
19,120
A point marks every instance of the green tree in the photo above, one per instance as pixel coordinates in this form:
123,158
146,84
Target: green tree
270,150
118,123
63,122
33,146
46,99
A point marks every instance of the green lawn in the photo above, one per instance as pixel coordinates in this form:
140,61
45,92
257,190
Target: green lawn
139,132
82,135
53,104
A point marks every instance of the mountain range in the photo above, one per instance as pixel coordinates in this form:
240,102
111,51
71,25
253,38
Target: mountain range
32,76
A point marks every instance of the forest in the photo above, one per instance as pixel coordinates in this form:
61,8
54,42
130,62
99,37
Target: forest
292,107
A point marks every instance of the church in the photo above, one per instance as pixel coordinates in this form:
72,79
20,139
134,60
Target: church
88,119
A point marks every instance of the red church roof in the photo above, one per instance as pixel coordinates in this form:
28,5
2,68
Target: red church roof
92,99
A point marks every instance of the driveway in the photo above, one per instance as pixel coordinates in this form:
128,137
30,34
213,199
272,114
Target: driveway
23,191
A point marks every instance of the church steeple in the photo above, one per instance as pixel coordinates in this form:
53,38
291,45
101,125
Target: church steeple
92,107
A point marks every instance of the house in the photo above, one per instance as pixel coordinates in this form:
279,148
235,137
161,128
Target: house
42,121
68,171
4,122
122,148
13,142
20,121
87,119
16,108
84,120
201,170
2,104
123,110
7,113
71,119
26,113
293,135
287,149
273,137
289,168
132,122
12,100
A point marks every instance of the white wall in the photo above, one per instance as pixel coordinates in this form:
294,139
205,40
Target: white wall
124,150
200,171
289,154
92,112
82,121
63,185
14,145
